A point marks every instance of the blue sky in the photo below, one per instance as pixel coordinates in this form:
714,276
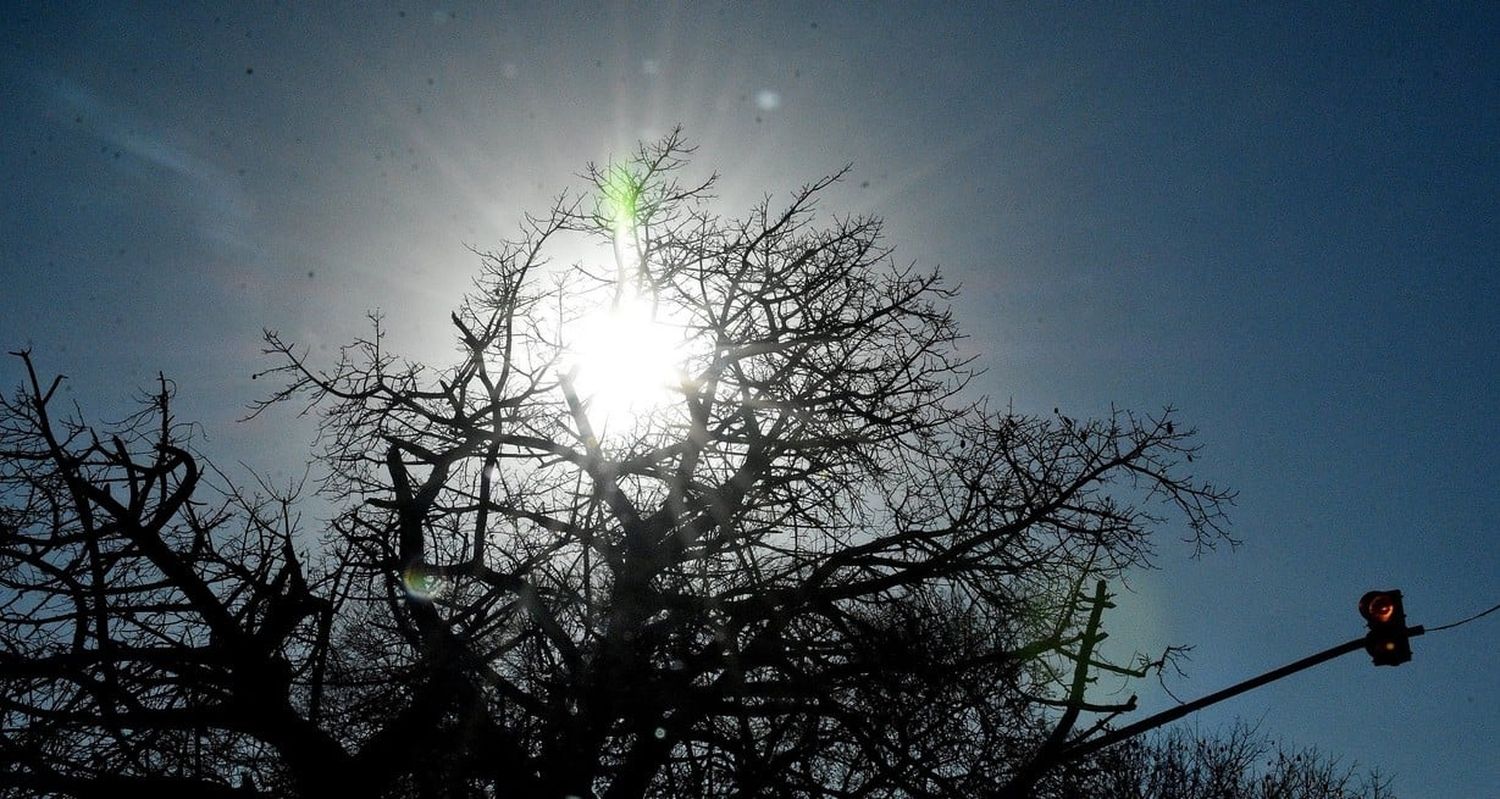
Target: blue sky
1279,219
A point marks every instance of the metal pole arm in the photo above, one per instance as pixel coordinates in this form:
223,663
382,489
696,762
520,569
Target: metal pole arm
1085,748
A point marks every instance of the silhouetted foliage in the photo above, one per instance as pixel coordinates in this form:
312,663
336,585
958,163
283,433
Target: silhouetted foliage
813,569
1239,764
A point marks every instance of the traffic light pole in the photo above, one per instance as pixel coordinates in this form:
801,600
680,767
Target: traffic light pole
1086,748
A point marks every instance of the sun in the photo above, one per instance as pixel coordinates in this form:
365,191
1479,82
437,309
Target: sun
625,363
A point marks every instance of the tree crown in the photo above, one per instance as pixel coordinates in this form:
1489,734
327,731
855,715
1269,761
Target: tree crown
795,559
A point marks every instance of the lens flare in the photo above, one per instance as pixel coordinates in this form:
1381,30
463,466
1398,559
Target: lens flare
421,584
622,192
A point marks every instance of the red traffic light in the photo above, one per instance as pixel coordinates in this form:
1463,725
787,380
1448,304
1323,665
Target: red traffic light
1379,607
1387,640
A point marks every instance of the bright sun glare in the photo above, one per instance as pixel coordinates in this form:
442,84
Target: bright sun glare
626,362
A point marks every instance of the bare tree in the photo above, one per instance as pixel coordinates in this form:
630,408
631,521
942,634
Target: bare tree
153,639
1238,764
778,555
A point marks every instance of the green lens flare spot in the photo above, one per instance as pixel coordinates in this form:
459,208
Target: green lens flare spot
421,584
622,193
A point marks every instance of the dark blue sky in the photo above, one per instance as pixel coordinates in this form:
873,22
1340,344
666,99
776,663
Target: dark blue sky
1280,220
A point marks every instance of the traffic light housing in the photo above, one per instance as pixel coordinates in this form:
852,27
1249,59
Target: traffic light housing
1387,641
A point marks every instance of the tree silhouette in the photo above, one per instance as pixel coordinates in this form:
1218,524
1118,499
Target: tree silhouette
794,562
1239,764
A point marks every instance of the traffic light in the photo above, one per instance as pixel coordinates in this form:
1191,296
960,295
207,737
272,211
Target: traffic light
1387,639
